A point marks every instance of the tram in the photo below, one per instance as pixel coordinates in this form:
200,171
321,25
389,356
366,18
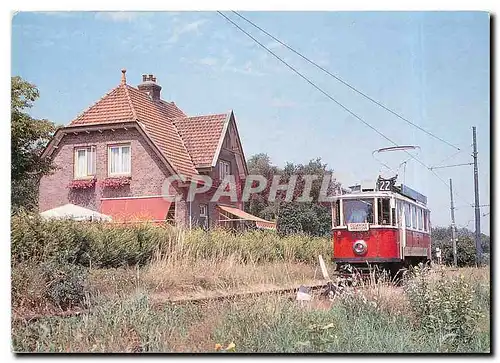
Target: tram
383,225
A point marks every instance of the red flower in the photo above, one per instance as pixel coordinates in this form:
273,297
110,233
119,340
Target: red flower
115,182
82,184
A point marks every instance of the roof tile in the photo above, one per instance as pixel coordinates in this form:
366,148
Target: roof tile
201,135
186,142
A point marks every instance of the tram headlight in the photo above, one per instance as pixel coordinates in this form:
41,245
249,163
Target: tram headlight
359,247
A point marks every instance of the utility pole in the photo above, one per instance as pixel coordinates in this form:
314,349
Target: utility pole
476,200
453,228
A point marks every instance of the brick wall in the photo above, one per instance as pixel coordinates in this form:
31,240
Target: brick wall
148,171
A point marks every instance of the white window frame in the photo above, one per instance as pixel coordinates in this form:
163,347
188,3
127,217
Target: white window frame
407,209
413,211
90,170
120,155
203,218
204,208
224,169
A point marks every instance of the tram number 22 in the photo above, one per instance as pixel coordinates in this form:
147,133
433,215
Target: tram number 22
385,185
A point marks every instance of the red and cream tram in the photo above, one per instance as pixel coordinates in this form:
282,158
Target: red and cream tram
385,225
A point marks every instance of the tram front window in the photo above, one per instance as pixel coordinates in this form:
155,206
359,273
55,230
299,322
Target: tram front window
358,211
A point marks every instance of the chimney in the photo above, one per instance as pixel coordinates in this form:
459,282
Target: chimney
150,87
124,78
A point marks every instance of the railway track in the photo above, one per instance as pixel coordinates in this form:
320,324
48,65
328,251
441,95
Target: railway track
242,295
159,302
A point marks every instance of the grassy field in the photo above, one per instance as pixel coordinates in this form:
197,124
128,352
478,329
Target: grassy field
379,318
438,310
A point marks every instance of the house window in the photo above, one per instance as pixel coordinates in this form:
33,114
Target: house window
85,162
203,210
203,215
119,160
224,169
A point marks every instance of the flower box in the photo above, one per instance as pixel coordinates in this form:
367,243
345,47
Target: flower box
81,184
115,182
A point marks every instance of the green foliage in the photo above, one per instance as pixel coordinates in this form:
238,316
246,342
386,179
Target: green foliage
355,323
129,325
260,164
65,284
28,138
466,247
42,286
309,218
107,245
444,307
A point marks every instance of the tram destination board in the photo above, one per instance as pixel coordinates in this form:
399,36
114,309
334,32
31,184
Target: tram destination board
386,185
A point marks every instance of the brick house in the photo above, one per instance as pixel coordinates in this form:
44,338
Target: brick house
115,157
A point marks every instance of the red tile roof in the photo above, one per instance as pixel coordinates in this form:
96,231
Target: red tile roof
186,142
201,135
115,106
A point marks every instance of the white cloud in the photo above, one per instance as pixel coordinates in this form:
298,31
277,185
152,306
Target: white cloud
44,43
185,28
273,45
208,61
117,16
282,103
247,68
60,14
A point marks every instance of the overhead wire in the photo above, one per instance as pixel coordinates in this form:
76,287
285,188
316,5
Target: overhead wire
331,98
378,103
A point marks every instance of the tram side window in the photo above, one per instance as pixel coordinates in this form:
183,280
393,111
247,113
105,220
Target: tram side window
336,213
413,217
407,215
420,219
384,211
426,228
358,210
399,210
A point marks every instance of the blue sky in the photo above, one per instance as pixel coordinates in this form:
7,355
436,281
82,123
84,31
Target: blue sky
433,68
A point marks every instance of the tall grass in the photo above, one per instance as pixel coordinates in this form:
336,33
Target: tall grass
99,245
170,259
360,322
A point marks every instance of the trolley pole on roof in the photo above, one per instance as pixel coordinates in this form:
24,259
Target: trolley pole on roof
476,200
453,227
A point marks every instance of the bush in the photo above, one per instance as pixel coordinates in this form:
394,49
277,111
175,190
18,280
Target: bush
65,285
95,244
43,287
307,218
444,306
466,246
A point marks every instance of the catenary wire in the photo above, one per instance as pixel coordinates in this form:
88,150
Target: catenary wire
333,99
378,103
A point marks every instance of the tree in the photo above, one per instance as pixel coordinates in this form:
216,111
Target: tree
260,164
466,246
312,217
28,138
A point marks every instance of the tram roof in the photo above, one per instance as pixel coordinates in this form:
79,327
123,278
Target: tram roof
378,194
